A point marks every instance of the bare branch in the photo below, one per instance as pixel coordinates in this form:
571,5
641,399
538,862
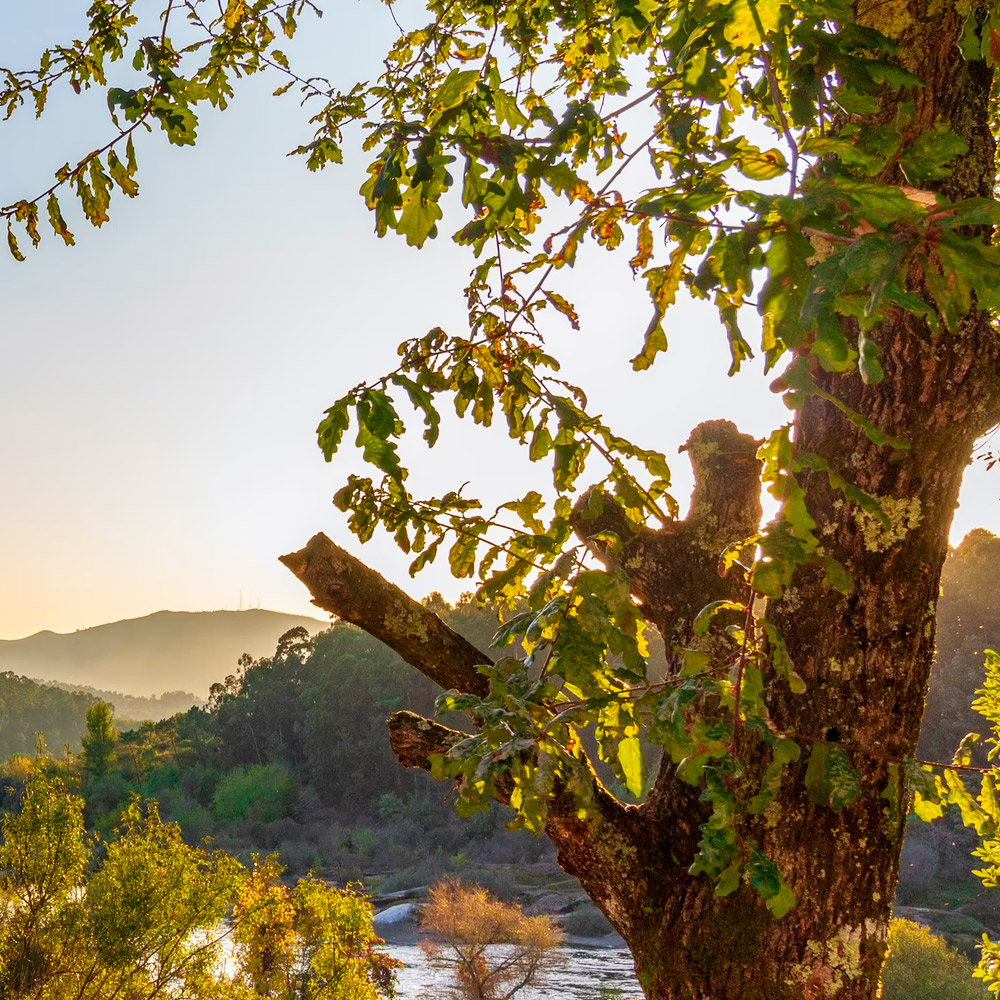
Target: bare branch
345,587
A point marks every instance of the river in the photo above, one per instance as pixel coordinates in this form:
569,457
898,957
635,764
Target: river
586,974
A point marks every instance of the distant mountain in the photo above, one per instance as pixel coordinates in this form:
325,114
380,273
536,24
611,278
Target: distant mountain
165,651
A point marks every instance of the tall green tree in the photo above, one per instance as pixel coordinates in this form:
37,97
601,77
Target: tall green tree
828,168
99,741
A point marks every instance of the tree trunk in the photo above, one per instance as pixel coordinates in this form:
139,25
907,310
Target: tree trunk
865,657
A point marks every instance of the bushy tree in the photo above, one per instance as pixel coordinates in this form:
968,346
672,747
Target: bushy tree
263,793
145,922
313,942
491,949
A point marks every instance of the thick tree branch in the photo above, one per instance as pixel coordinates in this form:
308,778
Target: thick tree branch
594,838
674,570
347,588
415,739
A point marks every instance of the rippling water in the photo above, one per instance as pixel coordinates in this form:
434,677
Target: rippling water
587,974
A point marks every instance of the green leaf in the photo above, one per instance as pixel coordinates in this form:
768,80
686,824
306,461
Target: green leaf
767,578
703,619
630,760
868,363
456,87
423,401
57,222
927,809
928,157
418,219
762,165
654,342
330,431
564,307
781,902
12,244
729,880
831,779
750,21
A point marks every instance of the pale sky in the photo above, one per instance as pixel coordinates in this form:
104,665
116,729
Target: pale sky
163,378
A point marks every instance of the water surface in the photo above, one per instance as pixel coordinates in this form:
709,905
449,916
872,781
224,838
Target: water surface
586,974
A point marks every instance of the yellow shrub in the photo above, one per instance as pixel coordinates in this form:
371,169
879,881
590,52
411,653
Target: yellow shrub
921,966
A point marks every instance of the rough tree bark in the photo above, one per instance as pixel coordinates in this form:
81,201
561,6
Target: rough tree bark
865,657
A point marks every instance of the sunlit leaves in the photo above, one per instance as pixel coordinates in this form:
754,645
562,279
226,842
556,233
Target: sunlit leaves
313,940
144,914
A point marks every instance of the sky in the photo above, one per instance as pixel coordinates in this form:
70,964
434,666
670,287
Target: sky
162,379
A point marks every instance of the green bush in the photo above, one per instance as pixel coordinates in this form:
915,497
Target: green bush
921,966
262,793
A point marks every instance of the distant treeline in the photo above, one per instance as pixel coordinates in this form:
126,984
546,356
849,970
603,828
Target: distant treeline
135,707
28,708
58,711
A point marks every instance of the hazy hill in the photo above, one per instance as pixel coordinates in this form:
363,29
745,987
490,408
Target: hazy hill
165,651
135,707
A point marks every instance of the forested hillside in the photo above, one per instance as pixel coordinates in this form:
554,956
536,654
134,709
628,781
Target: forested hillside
27,708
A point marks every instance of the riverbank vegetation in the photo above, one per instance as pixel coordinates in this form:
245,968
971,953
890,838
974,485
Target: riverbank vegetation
142,914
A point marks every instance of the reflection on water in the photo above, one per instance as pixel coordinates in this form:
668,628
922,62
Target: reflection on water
587,974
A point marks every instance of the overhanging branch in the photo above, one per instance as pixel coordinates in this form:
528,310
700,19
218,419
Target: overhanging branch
347,588
595,835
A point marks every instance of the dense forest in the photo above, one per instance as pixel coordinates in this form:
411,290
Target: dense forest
28,708
290,755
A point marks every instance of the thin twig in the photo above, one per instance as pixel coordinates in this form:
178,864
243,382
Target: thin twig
741,664
772,85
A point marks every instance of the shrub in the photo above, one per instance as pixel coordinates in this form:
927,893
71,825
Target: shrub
921,966
307,943
262,793
468,919
389,805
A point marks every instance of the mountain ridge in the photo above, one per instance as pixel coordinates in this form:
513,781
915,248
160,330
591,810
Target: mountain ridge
159,652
